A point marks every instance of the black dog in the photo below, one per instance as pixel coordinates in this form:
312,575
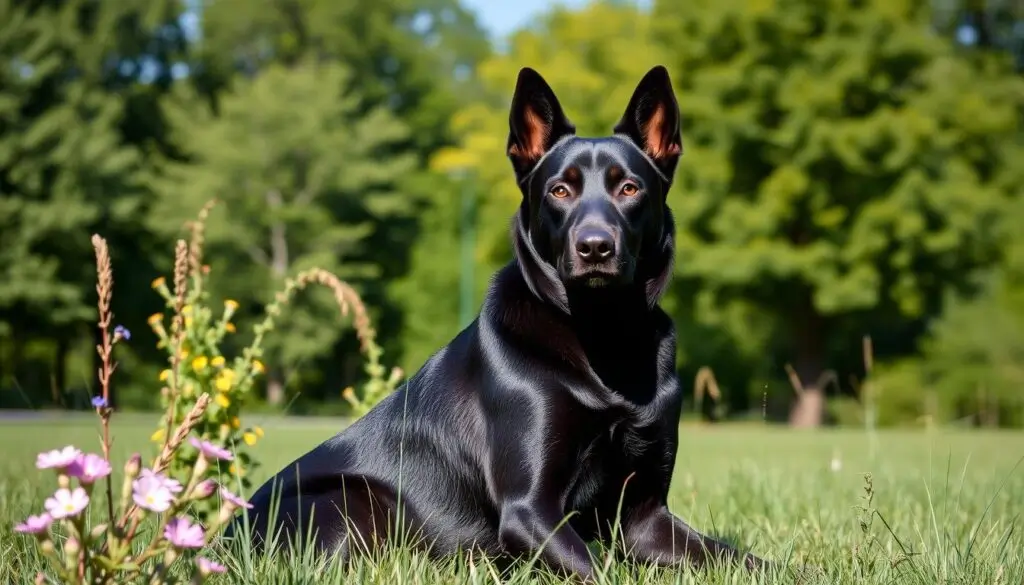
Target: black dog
562,396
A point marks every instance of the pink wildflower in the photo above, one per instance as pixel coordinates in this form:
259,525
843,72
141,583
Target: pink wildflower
66,503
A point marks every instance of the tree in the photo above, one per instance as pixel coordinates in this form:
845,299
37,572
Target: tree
843,164
66,166
413,57
972,358
304,178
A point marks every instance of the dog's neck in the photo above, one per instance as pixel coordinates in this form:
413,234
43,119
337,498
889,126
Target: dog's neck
627,301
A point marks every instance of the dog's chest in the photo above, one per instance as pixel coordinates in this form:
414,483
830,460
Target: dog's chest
604,464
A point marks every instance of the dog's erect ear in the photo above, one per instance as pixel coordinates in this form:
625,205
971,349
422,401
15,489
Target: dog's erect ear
536,121
651,120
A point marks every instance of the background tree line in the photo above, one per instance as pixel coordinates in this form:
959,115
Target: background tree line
851,169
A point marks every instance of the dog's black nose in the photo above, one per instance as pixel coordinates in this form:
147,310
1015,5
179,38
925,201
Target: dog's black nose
594,245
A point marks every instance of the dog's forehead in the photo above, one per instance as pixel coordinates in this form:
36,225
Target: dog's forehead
590,154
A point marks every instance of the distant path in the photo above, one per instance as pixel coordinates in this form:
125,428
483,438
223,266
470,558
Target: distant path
31,414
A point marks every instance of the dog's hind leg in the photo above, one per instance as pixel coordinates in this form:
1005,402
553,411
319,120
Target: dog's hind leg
338,516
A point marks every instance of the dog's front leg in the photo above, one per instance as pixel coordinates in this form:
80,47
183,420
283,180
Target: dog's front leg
657,536
526,529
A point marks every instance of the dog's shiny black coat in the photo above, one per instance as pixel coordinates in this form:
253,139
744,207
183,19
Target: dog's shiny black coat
561,397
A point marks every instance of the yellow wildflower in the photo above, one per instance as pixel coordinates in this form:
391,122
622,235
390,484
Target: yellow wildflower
249,438
199,363
229,327
236,470
231,305
158,282
188,390
188,321
236,422
155,319
223,401
186,310
184,353
258,431
348,393
257,366
158,436
217,361
164,375
225,379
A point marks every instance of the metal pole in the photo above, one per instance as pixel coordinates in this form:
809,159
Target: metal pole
467,244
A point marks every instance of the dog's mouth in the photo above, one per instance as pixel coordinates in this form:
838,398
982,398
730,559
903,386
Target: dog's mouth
596,276
596,280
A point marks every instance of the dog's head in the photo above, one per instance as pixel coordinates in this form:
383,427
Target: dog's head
594,210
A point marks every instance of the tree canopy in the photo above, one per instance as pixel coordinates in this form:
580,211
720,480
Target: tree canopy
850,169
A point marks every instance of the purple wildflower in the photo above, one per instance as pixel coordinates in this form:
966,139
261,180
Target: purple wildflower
204,489
172,485
234,500
99,402
211,451
88,468
183,534
35,524
66,503
208,567
58,458
150,492
121,332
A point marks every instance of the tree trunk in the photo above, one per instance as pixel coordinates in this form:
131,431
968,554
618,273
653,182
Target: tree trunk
18,370
279,268
60,370
275,388
809,409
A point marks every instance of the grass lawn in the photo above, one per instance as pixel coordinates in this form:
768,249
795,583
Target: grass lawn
948,505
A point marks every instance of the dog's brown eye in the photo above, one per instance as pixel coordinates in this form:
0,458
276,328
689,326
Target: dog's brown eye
559,191
629,189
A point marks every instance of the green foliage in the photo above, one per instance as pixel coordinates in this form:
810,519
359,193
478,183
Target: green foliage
427,294
847,171
841,148
378,386
901,397
75,128
974,356
197,367
971,364
843,165
84,115
414,58
405,54
194,341
63,166
83,543
310,186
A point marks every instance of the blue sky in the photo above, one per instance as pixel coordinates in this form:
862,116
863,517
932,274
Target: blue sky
501,17
498,17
